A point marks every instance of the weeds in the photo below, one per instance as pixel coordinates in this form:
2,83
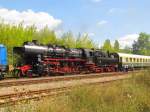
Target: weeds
121,96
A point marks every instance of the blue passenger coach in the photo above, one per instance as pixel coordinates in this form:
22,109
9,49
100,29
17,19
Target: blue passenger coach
3,59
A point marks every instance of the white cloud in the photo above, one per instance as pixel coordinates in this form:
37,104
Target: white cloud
128,40
117,10
91,34
88,34
96,0
101,23
112,10
28,18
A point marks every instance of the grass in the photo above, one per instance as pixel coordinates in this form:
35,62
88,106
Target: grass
122,96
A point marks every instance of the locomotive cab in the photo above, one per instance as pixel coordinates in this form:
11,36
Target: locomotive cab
106,59
88,54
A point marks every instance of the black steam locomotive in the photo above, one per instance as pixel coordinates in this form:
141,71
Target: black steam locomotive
53,59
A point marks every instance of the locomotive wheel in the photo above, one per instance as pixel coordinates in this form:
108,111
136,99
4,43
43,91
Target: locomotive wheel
49,73
29,74
17,73
1,75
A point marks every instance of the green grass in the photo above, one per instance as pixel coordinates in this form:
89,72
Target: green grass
122,96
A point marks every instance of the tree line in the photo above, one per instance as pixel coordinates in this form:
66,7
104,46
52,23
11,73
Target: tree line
141,46
12,35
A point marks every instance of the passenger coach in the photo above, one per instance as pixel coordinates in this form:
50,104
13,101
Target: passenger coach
3,60
134,61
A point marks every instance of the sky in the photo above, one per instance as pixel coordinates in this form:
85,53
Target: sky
121,20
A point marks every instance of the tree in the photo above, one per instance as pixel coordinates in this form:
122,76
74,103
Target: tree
142,45
107,46
84,41
116,46
46,36
67,40
126,49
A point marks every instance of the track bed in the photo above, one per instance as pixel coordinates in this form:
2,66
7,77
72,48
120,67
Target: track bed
22,92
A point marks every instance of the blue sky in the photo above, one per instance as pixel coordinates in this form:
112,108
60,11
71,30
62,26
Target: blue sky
102,19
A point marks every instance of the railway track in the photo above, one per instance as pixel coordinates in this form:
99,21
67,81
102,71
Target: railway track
19,82
11,99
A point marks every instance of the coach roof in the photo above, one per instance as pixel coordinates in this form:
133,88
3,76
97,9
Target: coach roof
132,55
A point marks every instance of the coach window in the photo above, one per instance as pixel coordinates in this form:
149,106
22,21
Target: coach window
127,60
137,60
134,59
141,60
130,59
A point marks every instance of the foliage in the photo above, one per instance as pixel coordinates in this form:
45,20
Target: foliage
84,41
116,46
126,50
142,45
68,40
107,46
45,36
12,35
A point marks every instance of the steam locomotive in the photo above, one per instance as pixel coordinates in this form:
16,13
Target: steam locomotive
38,59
